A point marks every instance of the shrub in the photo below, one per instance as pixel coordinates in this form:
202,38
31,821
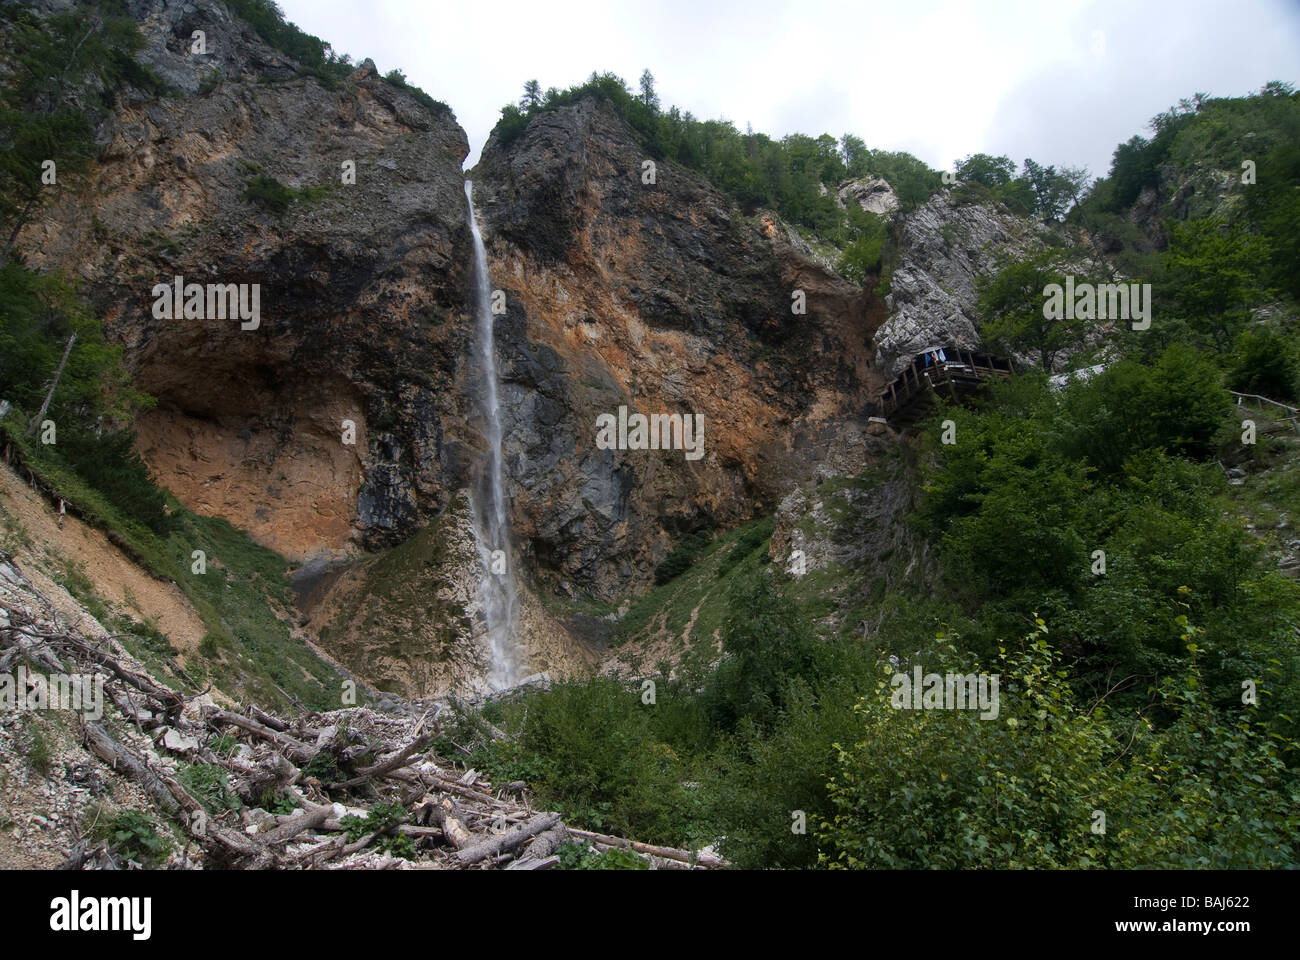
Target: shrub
1022,790
135,835
382,818
209,786
593,751
576,856
269,194
680,560
39,752
1176,404
109,463
767,646
756,536
1266,362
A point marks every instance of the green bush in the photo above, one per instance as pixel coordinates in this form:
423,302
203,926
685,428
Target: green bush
1177,404
208,784
594,751
272,195
768,649
1041,480
1267,363
39,752
269,194
756,779
109,463
683,555
862,254
265,17
136,836
1025,789
575,856
382,818
752,539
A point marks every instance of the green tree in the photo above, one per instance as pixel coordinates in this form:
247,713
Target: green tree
1021,790
1266,362
648,96
766,647
986,170
1213,276
532,98
1273,203
854,150
862,254
61,64
1011,308
1053,191
1177,403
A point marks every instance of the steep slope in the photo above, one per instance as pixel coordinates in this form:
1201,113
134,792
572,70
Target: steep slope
662,298
944,247
361,284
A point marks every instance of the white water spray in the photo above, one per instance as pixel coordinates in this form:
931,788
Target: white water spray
491,531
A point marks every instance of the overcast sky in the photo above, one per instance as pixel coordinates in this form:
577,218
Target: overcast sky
1061,81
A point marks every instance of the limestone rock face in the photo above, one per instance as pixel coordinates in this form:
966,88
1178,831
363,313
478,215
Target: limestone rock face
410,621
945,247
340,429
660,298
362,285
872,194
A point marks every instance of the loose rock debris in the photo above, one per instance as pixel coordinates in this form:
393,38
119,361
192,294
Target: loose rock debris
367,788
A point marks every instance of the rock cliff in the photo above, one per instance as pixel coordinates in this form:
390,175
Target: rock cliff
362,285
662,298
340,431
945,246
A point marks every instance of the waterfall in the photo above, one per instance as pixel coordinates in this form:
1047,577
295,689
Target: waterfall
491,531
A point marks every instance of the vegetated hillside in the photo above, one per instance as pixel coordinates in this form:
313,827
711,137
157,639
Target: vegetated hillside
1134,683
721,634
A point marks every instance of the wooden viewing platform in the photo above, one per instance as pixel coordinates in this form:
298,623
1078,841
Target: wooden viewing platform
963,369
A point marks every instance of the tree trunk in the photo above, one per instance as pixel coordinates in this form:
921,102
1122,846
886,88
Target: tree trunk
31,430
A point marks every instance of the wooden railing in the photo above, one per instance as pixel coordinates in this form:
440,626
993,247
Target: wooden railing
1294,419
961,368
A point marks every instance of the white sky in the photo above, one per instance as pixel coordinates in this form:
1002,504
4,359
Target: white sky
1061,81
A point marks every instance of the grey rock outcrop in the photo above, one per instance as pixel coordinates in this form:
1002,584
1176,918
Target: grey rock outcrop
872,194
945,247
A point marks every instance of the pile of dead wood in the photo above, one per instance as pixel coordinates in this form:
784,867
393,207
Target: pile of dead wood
367,789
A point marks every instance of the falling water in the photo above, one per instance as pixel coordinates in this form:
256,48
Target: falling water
491,532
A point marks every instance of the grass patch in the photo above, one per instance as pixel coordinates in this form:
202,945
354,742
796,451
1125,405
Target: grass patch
273,196
243,599
40,753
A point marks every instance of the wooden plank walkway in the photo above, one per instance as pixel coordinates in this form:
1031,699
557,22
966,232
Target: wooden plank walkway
962,369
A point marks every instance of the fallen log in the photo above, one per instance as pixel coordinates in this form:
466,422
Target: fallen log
267,719
508,840
331,825
171,797
668,853
397,760
296,825
550,841
446,813
169,701
451,786
295,749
